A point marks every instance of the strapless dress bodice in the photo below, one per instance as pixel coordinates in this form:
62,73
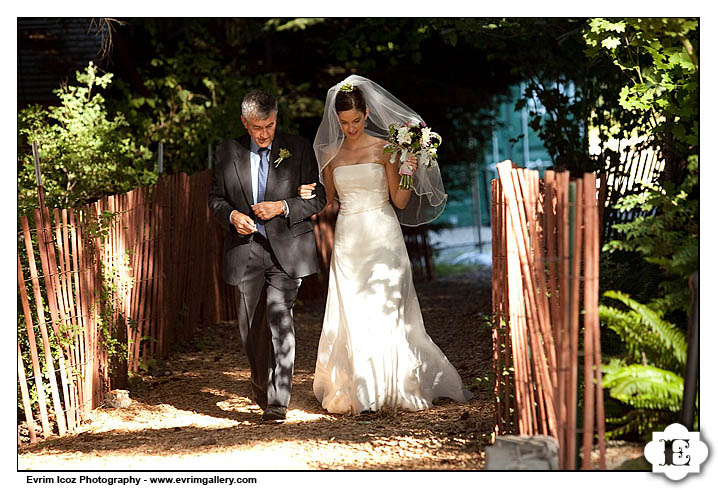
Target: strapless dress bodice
361,187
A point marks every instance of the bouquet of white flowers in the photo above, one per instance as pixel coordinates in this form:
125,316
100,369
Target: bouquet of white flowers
415,139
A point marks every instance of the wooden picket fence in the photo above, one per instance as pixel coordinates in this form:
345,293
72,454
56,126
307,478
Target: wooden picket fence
139,271
637,167
545,245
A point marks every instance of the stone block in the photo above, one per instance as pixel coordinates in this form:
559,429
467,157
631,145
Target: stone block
118,399
523,453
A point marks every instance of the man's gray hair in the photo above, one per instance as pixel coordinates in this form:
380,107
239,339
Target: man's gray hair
258,105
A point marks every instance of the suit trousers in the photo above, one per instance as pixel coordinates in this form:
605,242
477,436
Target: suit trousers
265,299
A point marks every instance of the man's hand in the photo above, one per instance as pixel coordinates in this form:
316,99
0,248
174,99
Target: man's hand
243,223
267,210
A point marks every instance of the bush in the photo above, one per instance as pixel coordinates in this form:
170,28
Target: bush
84,152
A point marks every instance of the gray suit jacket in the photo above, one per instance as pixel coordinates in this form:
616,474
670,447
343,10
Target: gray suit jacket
292,238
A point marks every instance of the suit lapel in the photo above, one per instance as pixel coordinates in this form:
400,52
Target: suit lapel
244,172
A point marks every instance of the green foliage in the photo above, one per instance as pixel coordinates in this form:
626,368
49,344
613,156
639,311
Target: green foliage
667,236
648,377
645,332
195,75
646,387
559,90
84,152
640,423
659,57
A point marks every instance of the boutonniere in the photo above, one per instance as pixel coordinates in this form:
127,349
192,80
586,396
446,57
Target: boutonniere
283,153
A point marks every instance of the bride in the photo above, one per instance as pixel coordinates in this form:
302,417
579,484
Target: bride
373,351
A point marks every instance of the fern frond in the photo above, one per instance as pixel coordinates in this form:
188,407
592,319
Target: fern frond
645,387
614,364
670,337
628,326
642,422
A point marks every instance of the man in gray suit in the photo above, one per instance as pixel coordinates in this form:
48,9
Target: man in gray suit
269,243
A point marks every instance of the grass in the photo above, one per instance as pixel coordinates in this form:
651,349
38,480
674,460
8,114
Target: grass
445,270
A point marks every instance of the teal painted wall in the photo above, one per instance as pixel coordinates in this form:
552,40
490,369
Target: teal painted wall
528,151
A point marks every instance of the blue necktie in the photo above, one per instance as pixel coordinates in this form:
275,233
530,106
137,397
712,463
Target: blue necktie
262,184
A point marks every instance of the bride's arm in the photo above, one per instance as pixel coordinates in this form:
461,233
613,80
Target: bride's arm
329,183
400,197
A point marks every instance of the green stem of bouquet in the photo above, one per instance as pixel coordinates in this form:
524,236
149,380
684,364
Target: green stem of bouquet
406,182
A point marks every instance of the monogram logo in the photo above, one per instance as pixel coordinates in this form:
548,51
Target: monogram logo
676,452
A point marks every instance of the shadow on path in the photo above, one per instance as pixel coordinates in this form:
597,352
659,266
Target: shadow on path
199,400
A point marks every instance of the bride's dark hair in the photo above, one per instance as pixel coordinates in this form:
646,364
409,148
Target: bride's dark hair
347,101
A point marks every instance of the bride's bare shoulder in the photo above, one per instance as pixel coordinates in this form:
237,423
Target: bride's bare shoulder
374,141
376,147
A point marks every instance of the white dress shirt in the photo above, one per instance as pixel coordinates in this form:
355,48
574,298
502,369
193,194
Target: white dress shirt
254,160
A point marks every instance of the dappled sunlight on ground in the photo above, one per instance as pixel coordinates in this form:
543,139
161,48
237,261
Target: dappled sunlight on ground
195,412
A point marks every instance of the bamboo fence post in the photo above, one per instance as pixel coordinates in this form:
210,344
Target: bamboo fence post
147,284
588,348
190,281
550,211
74,314
51,281
512,420
532,317
178,265
194,282
109,268
96,295
25,394
591,323
104,267
215,274
133,240
48,264
140,219
49,363
185,242
539,297
495,307
157,303
64,314
510,355
172,263
150,290
522,204
514,302
574,235
168,266
562,271
535,284
539,277
37,372
82,319
521,320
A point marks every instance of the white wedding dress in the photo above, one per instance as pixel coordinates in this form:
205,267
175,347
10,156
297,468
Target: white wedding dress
373,350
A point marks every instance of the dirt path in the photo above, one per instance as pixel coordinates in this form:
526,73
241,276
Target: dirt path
195,413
